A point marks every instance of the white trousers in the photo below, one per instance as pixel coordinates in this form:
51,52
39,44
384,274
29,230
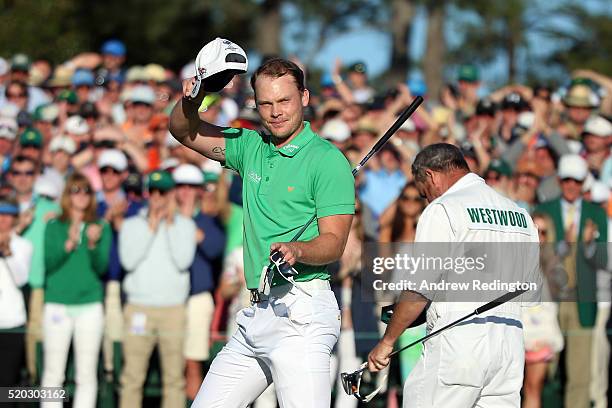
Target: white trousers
61,324
346,361
287,340
478,363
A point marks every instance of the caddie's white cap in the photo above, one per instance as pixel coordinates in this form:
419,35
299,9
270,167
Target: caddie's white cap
573,166
218,62
598,126
113,158
62,143
336,130
76,125
188,174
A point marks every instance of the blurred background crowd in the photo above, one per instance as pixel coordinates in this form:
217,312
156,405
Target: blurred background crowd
121,250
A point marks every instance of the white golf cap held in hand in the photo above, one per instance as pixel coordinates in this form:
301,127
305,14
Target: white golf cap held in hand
218,62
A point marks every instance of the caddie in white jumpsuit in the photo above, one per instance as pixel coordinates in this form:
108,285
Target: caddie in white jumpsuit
478,363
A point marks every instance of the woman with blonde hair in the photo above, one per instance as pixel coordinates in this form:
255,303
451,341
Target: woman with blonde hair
76,249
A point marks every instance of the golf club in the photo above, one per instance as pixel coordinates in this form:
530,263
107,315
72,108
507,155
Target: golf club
351,382
406,113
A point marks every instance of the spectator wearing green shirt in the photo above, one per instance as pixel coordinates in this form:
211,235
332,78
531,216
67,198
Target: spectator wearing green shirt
289,174
76,252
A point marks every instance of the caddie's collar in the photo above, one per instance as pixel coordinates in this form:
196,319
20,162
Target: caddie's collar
464,181
297,143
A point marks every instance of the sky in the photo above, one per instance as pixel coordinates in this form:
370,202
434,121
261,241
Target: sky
373,45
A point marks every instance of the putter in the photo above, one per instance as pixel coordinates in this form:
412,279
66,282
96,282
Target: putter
351,382
406,113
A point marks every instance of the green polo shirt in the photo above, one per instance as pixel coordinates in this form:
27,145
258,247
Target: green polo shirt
282,189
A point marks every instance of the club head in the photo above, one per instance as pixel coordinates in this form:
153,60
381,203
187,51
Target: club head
351,383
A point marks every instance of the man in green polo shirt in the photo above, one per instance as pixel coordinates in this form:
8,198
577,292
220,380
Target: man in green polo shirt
289,174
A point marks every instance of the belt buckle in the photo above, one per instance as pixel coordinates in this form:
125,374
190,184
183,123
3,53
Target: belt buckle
255,296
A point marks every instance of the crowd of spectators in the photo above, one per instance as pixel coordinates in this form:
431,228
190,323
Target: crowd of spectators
112,232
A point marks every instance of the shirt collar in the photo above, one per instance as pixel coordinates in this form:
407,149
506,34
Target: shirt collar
295,144
577,203
463,182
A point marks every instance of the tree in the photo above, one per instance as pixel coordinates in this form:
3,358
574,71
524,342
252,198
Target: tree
268,33
497,29
328,18
400,24
167,32
588,45
434,58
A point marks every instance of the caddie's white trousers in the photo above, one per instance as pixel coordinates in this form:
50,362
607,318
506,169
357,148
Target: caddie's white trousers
286,340
478,363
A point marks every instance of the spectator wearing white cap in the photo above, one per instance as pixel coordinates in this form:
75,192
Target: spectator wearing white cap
578,224
114,206
61,148
596,137
210,237
8,132
139,111
77,129
336,131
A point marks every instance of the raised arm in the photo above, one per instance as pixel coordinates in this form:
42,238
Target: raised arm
187,127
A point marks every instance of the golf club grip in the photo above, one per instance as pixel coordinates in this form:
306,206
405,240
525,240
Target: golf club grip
391,131
506,297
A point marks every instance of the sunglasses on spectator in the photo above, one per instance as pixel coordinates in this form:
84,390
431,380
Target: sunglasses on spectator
15,95
187,185
108,169
28,173
105,144
26,145
493,176
528,175
406,197
77,190
566,179
157,190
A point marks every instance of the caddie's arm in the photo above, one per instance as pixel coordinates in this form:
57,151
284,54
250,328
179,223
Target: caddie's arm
406,311
187,127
